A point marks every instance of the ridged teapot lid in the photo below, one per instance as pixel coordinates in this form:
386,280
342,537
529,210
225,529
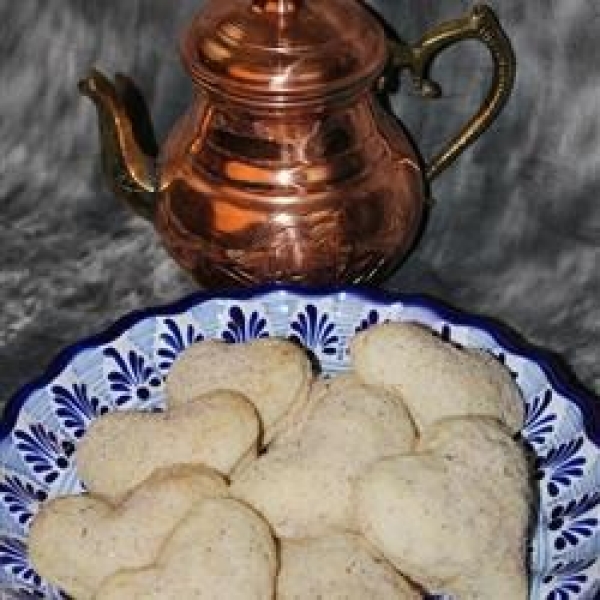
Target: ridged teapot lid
278,52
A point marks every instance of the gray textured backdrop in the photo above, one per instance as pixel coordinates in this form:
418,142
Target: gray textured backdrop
515,233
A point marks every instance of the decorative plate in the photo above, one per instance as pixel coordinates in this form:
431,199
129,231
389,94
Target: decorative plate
124,369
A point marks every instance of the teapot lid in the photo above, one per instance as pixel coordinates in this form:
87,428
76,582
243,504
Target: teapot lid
280,52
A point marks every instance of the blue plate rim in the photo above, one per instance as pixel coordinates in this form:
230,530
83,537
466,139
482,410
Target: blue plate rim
556,374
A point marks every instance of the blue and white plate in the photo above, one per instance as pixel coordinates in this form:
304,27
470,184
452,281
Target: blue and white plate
124,369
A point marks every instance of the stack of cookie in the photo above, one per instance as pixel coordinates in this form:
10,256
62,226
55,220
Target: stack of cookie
263,481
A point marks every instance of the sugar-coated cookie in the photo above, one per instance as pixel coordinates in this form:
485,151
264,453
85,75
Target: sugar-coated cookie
436,379
274,374
121,449
447,518
75,542
303,484
338,566
221,551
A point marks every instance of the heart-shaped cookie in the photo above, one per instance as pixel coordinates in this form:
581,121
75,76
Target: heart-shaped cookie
274,374
303,485
75,542
436,379
454,516
121,449
221,551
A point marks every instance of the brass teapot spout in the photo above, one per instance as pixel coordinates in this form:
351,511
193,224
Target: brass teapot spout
129,147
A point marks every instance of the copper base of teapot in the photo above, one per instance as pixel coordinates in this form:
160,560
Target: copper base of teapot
287,168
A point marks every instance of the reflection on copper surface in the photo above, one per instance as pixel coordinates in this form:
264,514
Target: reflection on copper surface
317,198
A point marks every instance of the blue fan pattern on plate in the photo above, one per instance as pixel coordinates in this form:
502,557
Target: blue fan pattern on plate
539,419
568,580
562,466
36,459
372,318
244,327
575,520
174,341
76,408
315,330
133,380
13,559
44,452
21,498
29,594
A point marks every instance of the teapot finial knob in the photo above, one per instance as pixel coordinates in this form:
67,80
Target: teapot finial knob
281,7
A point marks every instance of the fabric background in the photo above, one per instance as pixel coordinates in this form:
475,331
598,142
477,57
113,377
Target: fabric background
515,232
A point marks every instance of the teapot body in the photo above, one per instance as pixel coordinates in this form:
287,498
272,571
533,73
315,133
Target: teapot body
287,167
329,194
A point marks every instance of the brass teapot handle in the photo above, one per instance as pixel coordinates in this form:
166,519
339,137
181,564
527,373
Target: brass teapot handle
480,24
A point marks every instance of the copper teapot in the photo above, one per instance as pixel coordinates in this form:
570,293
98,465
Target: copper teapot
287,167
